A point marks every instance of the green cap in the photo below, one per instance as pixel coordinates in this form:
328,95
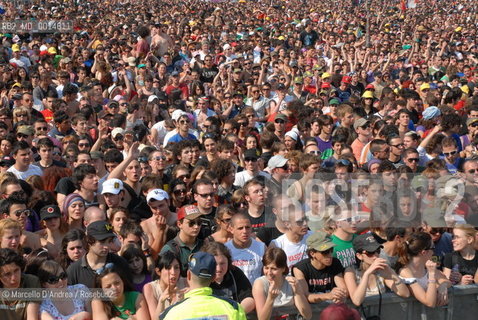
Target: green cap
334,101
320,241
298,80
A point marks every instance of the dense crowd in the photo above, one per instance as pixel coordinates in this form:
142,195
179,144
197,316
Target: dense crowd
195,159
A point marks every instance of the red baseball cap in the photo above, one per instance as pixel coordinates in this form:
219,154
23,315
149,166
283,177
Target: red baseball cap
189,212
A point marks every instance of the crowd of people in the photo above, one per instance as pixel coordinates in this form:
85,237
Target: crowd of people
215,158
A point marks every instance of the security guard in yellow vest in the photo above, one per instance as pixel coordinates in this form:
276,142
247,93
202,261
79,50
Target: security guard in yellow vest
199,302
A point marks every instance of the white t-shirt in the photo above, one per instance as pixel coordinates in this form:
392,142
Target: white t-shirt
31,171
162,132
249,260
295,252
244,176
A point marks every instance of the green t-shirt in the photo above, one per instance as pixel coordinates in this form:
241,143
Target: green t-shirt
129,307
344,251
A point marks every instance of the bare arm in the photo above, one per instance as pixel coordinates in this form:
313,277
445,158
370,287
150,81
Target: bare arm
142,312
133,153
98,310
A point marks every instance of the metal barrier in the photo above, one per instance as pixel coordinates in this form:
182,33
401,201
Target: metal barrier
462,305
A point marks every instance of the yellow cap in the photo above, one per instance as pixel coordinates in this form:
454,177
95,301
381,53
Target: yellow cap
465,89
424,86
325,75
458,29
16,47
52,50
281,38
367,95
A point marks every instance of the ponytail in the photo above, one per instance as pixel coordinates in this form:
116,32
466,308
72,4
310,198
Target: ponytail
415,243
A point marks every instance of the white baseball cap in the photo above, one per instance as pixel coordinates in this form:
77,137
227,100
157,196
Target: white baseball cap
157,194
114,186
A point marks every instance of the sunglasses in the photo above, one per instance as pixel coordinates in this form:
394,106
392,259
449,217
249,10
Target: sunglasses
242,124
184,121
192,223
206,195
413,160
350,219
472,171
179,191
105,267
327,252
400,145
21,135
250,159
42,128
159,158
449,154
365,127
255,91
125,103
22,115
316,152
18,213
431,247
228,221
55,279
184,176
302,221
142,159
285,167
83,144
372,253
118,138
474,125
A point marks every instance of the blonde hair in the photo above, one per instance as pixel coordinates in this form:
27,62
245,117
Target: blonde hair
8,223
468,229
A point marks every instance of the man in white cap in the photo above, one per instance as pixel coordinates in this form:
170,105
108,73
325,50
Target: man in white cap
113,194
279,171
176,116
117,134
157,226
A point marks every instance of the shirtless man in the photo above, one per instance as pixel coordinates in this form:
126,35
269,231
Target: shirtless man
157,226
161,42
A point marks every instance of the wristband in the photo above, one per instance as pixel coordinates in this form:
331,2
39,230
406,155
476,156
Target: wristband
432,281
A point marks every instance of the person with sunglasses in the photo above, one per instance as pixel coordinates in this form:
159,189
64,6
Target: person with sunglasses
428,284
322,272
364,134
371,275
15,208
186,242
450,150
52,276
411,158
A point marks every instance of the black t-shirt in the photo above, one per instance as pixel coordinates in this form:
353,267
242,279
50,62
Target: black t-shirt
81,272
208,225
65,186
258,223
208,74
235,286
465,267
54,164
268,234
309,38
319,281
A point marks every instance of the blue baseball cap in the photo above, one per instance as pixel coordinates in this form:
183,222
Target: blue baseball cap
203,265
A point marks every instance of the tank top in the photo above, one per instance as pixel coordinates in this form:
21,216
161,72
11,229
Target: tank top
79,305
129,307
181,284
283,300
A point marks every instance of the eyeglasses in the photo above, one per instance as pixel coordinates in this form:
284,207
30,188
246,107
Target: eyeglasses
350,219
373,253
55,279
284,167
104,268
206,195
192,223
413,160
179,191
302,221
159,158
449,154
118,138
21,136
83,144
18,213
184,176
279,121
